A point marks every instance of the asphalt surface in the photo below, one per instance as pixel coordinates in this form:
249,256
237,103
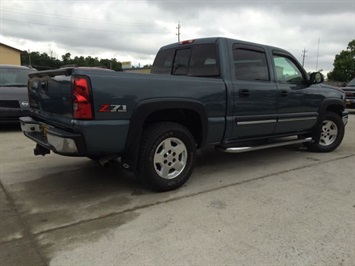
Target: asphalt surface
281,206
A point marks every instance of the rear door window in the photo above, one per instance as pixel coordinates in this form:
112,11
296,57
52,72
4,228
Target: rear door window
204,61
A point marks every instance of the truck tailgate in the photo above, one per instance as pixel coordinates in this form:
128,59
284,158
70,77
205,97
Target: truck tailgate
51,92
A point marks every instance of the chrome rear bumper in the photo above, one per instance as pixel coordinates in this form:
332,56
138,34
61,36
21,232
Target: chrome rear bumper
51,138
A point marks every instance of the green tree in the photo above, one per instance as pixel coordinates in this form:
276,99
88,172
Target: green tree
39,61
66,59
344,64
44,61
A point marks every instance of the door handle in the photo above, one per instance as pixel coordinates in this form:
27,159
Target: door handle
283,93
244,93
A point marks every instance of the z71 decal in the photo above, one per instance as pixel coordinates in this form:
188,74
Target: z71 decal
112,108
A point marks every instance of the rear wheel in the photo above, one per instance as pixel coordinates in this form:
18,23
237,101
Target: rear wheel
330,134
167,156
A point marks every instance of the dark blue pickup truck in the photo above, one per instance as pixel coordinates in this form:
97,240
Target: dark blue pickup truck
234,95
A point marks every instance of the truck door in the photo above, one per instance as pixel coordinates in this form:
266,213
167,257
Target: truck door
254,96
298,102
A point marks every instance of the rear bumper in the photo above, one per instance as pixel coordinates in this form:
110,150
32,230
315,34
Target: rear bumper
86,137
11,115
54,139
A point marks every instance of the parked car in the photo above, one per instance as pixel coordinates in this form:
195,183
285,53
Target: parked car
350,94
13,92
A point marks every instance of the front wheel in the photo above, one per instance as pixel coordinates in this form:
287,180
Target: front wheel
330,134
167,156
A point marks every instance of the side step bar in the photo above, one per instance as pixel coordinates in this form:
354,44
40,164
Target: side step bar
266,146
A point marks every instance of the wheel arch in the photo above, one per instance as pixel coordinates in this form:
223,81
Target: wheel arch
332,105
189,113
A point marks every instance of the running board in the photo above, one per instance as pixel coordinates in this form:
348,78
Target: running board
266,146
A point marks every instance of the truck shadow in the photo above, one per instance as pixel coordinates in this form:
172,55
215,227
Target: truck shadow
77,188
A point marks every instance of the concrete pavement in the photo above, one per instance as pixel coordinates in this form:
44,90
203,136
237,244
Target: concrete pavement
283,206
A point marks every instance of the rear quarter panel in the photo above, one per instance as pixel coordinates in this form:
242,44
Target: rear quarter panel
131,89
116,88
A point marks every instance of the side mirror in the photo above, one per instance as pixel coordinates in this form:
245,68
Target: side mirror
316,78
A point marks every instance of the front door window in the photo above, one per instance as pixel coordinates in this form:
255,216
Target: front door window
287,71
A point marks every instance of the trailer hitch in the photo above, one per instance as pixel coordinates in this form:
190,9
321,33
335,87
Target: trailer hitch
40,150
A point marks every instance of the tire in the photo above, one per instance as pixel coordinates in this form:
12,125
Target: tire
330,134
167,156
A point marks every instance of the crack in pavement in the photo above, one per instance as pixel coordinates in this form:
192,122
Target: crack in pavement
27,234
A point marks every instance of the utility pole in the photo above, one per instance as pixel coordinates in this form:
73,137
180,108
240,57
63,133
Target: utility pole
317,54
303,56
29,58
178,29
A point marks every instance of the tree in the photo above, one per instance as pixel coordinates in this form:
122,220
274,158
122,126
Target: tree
44,61
344,64
66,59
39,61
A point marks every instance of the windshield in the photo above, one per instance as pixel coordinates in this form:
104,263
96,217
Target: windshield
11,77
351,83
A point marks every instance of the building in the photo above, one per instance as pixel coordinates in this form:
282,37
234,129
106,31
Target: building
137,70
127,67
9,55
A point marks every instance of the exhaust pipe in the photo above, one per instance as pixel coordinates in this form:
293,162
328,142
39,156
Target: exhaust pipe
105,162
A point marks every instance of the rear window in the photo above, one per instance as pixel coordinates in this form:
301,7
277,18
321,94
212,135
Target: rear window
163,62
197,61
181,62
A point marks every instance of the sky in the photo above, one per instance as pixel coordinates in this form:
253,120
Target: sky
134,30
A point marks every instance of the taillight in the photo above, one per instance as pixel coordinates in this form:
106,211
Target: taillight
81,98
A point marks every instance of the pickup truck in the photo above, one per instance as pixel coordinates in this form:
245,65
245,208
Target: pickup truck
13,92
350,94
234,95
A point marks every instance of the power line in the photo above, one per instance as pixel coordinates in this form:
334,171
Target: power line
38,15
126,30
